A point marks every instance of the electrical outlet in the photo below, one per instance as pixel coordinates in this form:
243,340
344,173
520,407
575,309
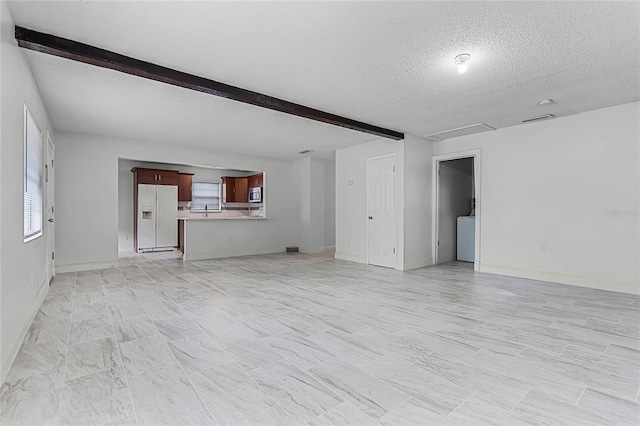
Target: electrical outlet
542,247
126,237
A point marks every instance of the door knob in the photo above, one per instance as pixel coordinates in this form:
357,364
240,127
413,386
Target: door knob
370,217
51,220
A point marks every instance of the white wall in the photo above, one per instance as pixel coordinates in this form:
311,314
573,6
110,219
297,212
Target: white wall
330,204
302,195
20,261
456,183
351,208
572,183
413,200
125,209
417,170
315,185
87,183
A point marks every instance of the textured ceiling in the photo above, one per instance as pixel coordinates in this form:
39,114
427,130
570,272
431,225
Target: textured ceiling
390,64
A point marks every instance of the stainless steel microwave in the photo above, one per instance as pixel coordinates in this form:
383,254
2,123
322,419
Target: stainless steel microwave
255,194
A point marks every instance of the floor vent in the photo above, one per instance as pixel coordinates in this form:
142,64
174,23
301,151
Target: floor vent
460,131
541,118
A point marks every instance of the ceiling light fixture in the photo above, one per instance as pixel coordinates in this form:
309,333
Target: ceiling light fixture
546,102
461,61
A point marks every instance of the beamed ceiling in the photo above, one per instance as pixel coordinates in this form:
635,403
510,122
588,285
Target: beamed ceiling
387,64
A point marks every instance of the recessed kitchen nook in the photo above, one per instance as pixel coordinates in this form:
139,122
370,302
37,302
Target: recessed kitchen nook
170,206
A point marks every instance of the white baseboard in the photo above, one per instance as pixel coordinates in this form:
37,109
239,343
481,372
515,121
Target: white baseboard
317,250
79,267
351,257
562,279
126,247
219,255
415,264
10,355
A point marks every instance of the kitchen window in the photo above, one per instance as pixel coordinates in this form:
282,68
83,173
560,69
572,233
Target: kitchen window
32,178
205,196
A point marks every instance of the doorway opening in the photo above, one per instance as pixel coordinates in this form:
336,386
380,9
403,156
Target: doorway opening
457,208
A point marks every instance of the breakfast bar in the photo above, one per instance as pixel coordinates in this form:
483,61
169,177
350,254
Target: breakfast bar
223,236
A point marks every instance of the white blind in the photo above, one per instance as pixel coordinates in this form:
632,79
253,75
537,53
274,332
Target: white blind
205,194
32,178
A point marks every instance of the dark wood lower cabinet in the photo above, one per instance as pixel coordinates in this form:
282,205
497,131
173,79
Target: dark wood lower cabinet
181,225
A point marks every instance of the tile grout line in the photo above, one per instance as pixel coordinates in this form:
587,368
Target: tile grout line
580,397
459,405
305,372
520,400
66,356
124,373
258,384
195,389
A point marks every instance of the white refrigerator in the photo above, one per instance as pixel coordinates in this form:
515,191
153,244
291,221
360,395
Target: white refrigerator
157,217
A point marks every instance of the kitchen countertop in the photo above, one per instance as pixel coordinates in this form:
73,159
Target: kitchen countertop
225,218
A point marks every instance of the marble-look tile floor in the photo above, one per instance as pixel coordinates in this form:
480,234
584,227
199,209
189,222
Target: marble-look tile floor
292,339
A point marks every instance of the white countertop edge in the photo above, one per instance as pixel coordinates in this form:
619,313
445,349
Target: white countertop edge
223,218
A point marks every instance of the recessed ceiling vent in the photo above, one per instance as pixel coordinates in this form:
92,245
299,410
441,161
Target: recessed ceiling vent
306,151
460,131
541,118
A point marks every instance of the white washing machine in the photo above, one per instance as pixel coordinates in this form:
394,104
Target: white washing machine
467,238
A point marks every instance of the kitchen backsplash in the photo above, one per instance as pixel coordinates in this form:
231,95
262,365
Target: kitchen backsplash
228,210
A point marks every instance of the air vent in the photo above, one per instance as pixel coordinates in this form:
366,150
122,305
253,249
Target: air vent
306,151
460,131
541,118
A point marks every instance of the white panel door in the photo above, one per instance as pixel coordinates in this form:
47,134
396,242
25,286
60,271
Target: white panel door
50,209
381,211
167,213
146,216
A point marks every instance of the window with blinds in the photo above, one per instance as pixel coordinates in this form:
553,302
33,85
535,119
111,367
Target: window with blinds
205,196
32,178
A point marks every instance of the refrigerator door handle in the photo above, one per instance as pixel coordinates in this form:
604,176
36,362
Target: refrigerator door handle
155,225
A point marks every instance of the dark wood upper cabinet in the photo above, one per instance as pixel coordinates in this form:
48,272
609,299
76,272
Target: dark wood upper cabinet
242,190
228,189
145,176
256,180
154,176
235,189
184,186
167,177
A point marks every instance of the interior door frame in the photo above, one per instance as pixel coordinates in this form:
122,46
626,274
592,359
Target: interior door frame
476,154
395,209
50,209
